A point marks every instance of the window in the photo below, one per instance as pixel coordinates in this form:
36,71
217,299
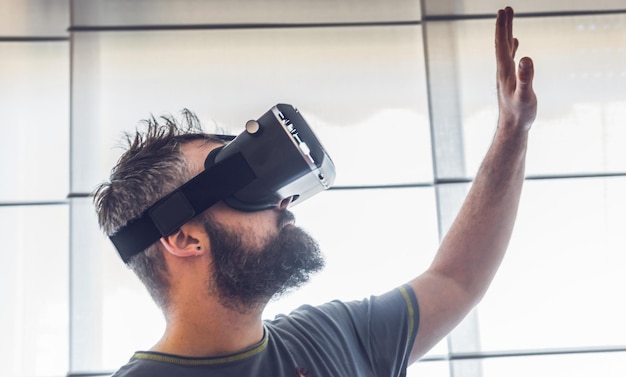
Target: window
401,93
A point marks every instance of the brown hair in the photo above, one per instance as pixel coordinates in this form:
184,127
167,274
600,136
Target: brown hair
151,167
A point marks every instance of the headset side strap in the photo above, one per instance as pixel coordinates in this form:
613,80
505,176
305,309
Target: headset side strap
175,209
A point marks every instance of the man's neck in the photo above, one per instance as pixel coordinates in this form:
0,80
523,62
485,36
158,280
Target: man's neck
210,329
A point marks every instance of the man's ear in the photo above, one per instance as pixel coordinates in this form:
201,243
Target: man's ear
188,241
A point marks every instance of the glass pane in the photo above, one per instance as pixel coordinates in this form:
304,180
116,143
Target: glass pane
112,313
463,7
220,12
362,89
373,239
580,80
34,103
401,241
561,284
34,18
34,291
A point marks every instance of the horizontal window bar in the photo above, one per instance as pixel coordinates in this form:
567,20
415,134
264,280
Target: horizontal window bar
91,374
434,18
523,353
34,203
443,181
366,187
539,352
575,176
447,181
463,17
78,28
34,39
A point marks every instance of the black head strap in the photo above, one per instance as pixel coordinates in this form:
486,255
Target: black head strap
172,211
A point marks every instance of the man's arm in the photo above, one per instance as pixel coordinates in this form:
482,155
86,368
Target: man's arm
473,248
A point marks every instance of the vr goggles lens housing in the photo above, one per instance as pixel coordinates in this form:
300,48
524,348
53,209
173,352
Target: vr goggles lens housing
286,157
277,157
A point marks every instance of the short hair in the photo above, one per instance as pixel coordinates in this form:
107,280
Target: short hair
151,167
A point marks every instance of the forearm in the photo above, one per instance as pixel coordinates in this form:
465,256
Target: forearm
476,242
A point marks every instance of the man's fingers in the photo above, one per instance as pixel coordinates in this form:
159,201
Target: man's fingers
501,38
525,72
508,11
506,45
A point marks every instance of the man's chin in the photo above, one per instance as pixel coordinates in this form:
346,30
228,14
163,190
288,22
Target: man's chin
246,280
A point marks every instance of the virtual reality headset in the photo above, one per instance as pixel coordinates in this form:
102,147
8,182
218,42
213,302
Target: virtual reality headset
277,157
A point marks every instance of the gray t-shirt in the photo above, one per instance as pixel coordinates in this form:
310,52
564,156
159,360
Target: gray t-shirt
368,338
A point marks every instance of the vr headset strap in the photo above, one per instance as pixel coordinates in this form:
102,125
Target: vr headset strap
172,211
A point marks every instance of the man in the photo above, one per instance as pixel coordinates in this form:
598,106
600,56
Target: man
214,275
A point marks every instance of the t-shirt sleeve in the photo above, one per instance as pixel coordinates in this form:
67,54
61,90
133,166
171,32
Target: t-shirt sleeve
381,328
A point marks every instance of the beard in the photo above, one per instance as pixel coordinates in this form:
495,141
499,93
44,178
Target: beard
246,278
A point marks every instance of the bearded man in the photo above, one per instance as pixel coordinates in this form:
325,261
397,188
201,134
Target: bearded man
213,275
